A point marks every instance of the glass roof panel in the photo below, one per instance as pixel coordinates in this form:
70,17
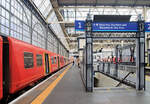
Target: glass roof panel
37,2
44,6
72,14
79,13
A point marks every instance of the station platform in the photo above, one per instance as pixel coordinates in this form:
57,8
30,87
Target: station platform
66,87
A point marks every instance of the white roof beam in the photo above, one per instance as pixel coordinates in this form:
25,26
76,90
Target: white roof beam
96,7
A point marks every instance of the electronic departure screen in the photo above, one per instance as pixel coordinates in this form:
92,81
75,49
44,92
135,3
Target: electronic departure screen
112,18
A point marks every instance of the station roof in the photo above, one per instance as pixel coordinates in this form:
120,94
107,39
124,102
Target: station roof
61,14
104,2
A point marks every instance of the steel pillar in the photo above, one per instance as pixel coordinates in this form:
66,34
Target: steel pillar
116,65
108,69
140,59
89,55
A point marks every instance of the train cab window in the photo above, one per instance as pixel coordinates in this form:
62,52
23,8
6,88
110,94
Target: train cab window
28,60
39,60
52,60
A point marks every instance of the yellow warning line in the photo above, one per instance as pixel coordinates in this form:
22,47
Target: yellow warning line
108,88
50,88
147,78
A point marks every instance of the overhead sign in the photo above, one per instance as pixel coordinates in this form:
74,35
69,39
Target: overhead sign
79,25
147,27
115,26
111,26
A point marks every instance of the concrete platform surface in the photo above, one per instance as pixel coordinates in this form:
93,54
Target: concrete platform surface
33,93
70,90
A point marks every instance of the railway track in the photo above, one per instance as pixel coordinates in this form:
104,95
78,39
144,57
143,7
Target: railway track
10,98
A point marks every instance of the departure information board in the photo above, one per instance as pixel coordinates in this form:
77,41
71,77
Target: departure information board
111,26
115,26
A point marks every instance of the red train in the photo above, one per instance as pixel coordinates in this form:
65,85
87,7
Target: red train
22,64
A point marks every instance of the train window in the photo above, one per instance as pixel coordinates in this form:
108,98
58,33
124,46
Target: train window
28,60
64,60
52,60
39,60
61,59
55,60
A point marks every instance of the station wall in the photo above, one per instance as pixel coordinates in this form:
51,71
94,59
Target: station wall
17,21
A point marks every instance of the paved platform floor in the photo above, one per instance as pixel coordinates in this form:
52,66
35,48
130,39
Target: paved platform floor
29,96
70,90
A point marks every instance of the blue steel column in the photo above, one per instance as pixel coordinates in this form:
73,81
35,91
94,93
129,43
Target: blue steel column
89,55
116,65
78,44
140,59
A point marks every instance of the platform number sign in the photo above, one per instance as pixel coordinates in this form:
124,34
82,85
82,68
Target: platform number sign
147,27
113,26
79,25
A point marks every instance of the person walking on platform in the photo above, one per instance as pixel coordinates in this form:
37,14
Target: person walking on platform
73,63
78,62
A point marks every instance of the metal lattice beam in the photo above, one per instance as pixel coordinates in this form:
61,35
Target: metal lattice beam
40,17
104,3
60,17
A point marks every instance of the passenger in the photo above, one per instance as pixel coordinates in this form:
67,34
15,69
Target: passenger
109,60
131,59
114,59
78,62
73,63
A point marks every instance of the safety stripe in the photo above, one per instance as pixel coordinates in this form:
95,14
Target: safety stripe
147,78
40,99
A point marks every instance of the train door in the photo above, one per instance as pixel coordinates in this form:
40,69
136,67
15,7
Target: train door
58,62
5,66
46,63
148,59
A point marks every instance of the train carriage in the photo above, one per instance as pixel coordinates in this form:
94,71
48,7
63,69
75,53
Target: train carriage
21,64
26,61
1,67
